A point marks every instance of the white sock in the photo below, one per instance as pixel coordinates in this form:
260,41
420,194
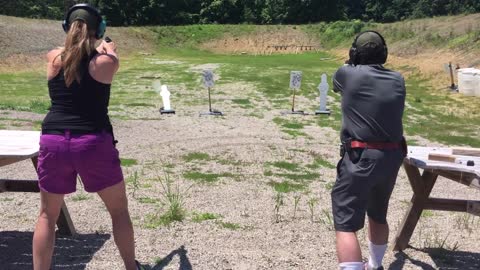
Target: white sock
351,266
376,254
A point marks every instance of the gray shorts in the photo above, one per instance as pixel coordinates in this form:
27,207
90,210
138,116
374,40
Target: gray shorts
365,181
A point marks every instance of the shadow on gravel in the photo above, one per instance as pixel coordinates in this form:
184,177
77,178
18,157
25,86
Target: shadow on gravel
70,253
184,261
444,259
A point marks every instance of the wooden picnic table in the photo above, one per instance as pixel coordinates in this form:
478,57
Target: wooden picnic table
422,185
17,146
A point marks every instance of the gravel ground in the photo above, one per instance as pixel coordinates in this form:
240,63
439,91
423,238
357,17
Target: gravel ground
244,145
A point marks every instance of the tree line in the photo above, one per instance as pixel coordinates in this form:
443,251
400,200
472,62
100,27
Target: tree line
179,12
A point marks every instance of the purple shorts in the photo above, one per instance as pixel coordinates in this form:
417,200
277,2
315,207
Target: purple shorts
63,157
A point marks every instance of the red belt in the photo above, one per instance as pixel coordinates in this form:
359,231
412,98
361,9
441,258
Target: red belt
375,145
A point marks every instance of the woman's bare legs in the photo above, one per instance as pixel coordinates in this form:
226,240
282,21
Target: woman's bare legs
115,200
44,235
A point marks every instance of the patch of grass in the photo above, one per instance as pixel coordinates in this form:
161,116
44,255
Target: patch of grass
169,165
196,156
158,260
147,185
286,186
286,165
319,162
126,162
154,221
206,177
295,133
427,214
80,197
258,115
229,225
38,106
268,173
288,124
147,200
35,106
329,186
139,104
199,217
309,176
241,102
293,125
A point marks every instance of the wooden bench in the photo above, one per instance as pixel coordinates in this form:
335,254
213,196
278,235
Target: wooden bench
422,185
17,146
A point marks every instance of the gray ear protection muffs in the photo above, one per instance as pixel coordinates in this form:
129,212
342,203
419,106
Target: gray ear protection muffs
102,25
355,52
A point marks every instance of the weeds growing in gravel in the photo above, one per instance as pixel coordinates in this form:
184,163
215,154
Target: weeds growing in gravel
199,217
327,219
296,201
173,198
229,225
135,184
311,206
439,248
467,222
278,205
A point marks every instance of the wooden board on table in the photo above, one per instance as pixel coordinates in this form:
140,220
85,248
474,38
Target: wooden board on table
442,157
466,151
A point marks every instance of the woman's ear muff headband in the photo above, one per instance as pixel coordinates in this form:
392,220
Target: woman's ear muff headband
101,23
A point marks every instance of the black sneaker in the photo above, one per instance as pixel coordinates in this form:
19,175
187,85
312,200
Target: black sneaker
139,266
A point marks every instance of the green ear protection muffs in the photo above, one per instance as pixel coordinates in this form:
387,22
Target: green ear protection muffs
355,51
101,24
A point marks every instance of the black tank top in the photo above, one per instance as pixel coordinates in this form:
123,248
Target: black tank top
81,108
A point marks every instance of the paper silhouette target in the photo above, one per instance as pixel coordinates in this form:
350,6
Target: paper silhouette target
323,89
295,80
208,79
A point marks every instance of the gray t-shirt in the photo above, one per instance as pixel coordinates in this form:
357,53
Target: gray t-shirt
373,100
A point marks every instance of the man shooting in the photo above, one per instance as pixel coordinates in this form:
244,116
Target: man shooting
373,148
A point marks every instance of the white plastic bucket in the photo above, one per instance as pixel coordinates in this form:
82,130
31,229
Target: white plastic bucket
469,81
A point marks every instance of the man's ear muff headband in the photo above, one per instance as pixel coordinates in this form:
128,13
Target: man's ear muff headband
354,53
102,24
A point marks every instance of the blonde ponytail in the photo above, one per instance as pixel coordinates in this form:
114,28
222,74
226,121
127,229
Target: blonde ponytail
77,47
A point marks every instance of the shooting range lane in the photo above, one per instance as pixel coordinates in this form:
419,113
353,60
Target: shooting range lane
241,154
